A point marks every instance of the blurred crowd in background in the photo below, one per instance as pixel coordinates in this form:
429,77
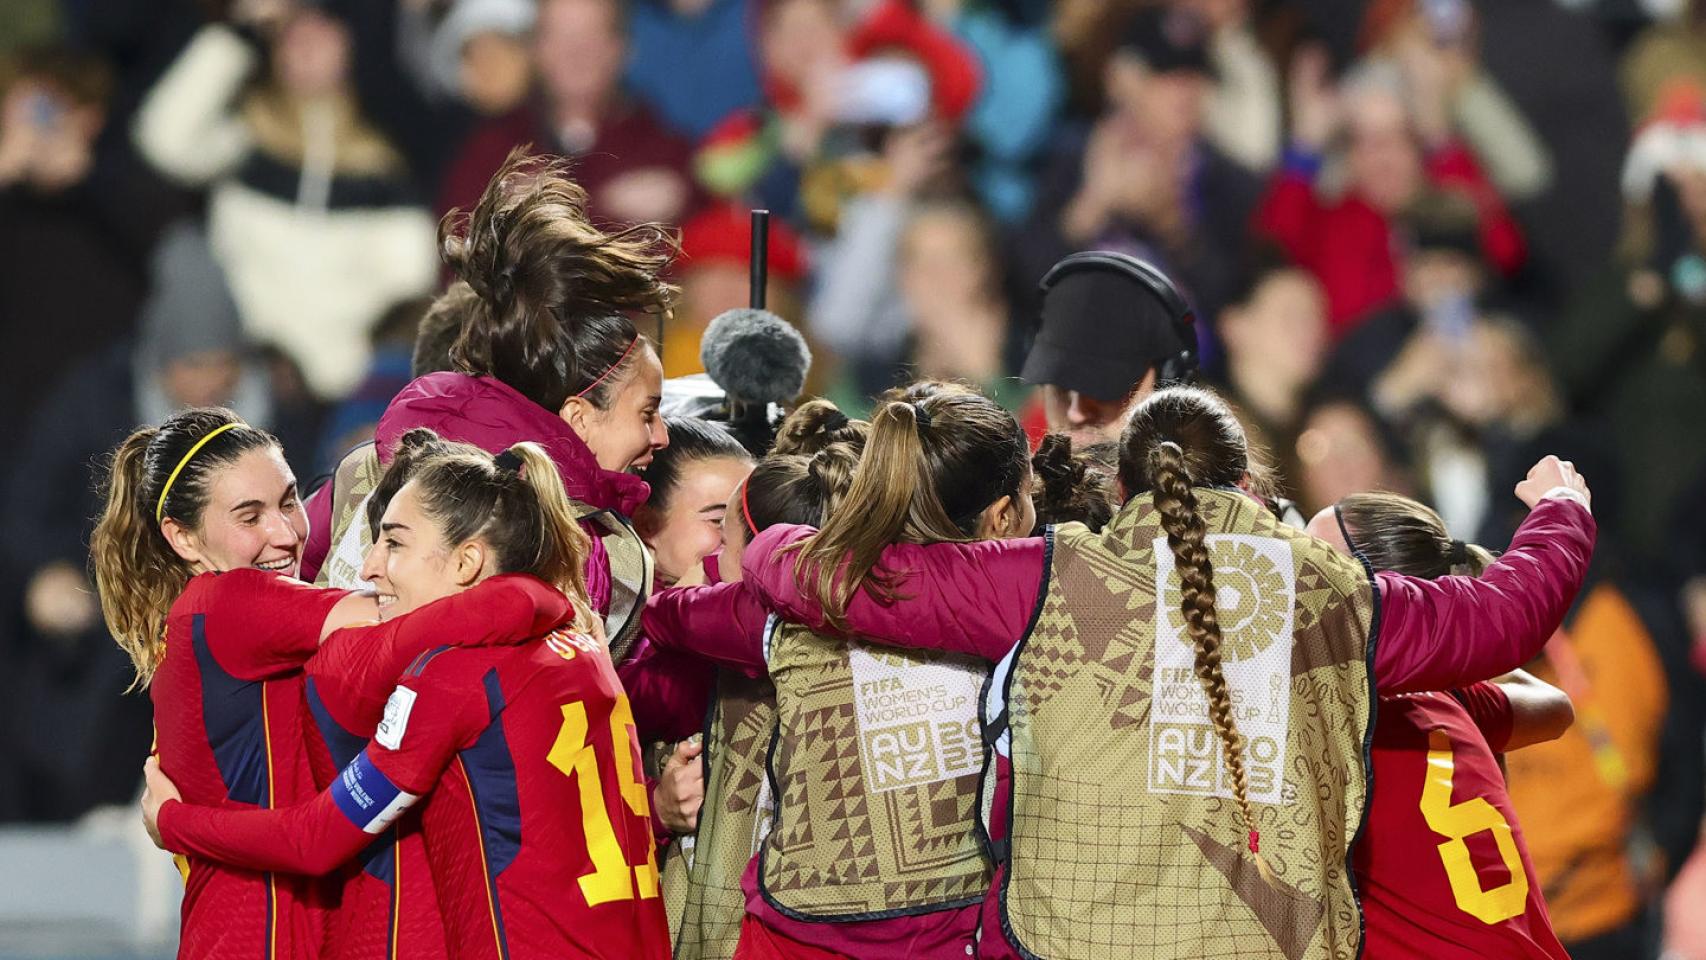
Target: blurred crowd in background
1426,241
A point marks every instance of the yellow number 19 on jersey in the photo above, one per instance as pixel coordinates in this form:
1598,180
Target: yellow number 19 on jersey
612,877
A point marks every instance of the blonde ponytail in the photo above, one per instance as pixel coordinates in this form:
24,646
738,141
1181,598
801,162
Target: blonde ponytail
893,497
137,574
564,548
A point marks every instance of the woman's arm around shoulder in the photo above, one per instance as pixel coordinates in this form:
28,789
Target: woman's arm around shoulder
1454,631
975,598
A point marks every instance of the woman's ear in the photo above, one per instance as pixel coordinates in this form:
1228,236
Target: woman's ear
998,519
647,522
185,544
470,561
578,413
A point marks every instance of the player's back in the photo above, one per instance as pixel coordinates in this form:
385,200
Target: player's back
1441,864
547,776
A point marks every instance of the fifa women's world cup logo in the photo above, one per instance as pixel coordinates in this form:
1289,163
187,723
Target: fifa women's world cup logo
1255,589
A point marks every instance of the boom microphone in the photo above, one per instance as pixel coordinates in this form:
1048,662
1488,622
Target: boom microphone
760,361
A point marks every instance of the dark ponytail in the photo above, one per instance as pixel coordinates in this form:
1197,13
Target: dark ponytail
1072,486
555,292
1398,534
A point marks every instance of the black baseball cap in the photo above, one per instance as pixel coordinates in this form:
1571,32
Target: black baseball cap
1102,331
1169,39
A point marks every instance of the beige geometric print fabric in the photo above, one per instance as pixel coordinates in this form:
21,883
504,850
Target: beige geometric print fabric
732,823
1127,843
876,762
357,474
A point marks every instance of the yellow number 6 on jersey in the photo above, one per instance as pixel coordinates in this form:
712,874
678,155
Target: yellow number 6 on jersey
1460,821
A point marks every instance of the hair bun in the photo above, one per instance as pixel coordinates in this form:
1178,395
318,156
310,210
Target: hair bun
816,424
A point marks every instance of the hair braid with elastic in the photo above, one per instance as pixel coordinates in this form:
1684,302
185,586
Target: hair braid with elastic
1186,536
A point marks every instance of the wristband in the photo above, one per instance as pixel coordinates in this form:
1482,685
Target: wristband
1566,493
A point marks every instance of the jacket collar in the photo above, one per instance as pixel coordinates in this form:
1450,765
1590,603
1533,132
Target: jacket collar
492,416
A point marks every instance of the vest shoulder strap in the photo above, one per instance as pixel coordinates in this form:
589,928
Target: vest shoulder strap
631,574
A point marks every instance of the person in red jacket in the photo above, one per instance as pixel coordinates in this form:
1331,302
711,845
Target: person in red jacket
1442,868
1399,160
535,815
981,598
635,168
195,555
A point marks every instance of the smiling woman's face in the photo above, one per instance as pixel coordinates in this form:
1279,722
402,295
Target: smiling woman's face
410,565
253,518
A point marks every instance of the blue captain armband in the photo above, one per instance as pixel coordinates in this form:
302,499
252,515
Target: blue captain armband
367,797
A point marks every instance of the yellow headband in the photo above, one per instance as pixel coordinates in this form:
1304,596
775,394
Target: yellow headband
160,508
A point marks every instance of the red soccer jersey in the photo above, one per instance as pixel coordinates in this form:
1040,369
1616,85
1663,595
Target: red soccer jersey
1441,866
229,732
386,905
537,826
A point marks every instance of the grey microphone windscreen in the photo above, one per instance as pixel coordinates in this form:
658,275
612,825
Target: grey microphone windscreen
755,356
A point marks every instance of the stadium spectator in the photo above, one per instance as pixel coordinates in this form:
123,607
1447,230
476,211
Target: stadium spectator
1143,178
944,273
1661,55
310,209
75,735
693,61
1627,351
78,219
1016,110
1342,448
1275,339
634,168
1433,43
1400,153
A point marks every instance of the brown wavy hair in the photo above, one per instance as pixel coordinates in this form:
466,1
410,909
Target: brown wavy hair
1179,439
1072,486
815,425
137,573
555,292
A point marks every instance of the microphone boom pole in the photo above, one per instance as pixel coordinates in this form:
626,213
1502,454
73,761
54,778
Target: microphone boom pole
760,257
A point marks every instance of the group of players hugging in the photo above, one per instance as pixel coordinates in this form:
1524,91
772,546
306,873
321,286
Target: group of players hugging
954,697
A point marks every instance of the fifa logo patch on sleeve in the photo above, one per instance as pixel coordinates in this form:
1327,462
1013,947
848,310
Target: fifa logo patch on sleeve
389,733
367,797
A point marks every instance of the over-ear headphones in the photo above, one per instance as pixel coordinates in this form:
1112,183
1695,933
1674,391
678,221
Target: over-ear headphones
1174,370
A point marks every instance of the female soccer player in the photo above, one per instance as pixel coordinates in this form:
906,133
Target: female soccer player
817,450
548,353
876,764
1187,695
194,555
682,519
1442,868
535,815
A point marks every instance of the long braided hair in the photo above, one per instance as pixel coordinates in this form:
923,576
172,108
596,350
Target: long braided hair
1176,440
